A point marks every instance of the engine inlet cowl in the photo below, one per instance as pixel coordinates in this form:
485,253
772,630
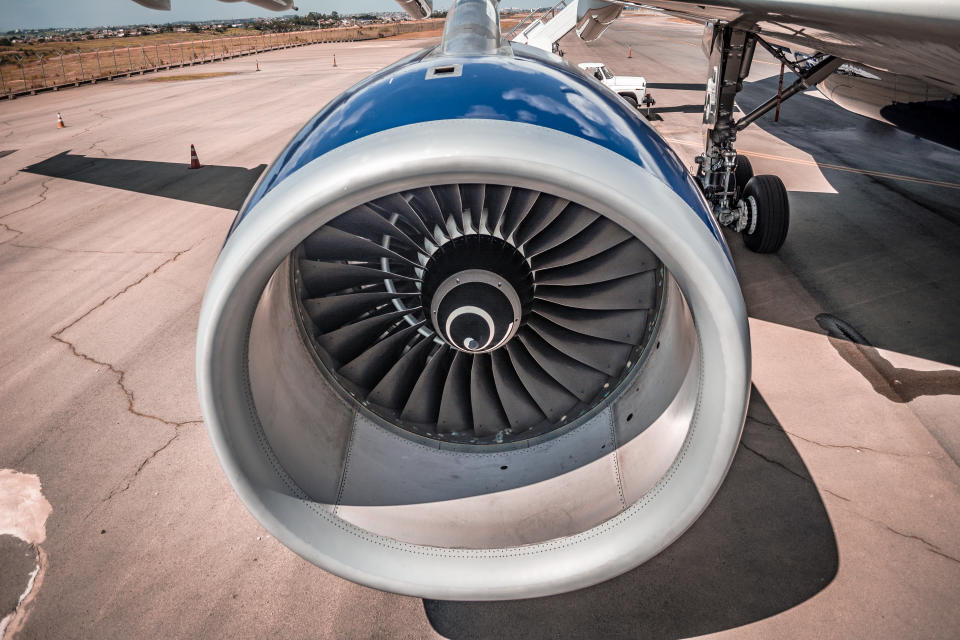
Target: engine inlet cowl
498,352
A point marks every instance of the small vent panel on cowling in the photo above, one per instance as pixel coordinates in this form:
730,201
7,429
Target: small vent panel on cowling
583,294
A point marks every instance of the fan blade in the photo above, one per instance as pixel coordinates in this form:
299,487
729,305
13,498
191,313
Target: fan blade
602,355
519,205
579,379
396,387
370,366
448,195
367,223
633,292
425,202
455,414
488,415
545,211
522,412
348,342
626,326
328,243
472,196
395,204
554,401
424,402
335,311
497,198
625,259
321,278
594,240
573,220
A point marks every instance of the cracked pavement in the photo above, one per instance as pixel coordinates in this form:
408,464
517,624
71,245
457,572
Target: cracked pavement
101,290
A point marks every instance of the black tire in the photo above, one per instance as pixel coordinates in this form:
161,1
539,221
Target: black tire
633,101
766,199
742,174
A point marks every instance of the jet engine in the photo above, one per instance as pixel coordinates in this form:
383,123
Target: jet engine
475,334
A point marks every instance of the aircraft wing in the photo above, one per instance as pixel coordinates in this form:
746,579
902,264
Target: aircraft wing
917,38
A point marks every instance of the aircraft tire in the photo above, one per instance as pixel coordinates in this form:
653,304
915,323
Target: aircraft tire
770,218
742,173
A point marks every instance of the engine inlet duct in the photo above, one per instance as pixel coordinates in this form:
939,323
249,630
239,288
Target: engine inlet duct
475,334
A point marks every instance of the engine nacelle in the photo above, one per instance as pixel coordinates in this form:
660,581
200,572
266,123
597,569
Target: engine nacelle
475,334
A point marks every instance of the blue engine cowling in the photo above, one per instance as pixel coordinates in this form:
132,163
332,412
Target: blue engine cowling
475,334
528,86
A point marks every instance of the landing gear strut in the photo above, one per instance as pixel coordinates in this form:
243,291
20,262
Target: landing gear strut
756,206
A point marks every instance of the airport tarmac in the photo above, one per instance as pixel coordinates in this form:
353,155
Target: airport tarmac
841,513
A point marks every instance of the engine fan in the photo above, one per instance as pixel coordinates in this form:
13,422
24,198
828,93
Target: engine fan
476,314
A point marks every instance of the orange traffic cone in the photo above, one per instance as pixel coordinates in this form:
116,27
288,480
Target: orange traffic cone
334,59
194,160
629,52
60,124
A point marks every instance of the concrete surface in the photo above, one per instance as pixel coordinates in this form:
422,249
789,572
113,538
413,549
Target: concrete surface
840,515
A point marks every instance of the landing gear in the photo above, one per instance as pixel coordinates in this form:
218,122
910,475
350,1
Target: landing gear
648,103
756,206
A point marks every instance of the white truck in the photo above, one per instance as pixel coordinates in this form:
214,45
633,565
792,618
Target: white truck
633,89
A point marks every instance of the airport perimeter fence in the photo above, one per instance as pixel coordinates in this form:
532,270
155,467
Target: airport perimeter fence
54,72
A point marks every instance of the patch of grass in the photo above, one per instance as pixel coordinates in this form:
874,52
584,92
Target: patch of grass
192,76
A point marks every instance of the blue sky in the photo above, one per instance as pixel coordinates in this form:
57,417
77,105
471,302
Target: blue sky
30,14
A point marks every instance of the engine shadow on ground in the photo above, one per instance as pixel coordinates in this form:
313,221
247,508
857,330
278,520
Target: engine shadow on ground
214,185
681,108
765,544
880,252
678,86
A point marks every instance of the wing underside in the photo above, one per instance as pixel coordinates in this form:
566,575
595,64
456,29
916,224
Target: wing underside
920,39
